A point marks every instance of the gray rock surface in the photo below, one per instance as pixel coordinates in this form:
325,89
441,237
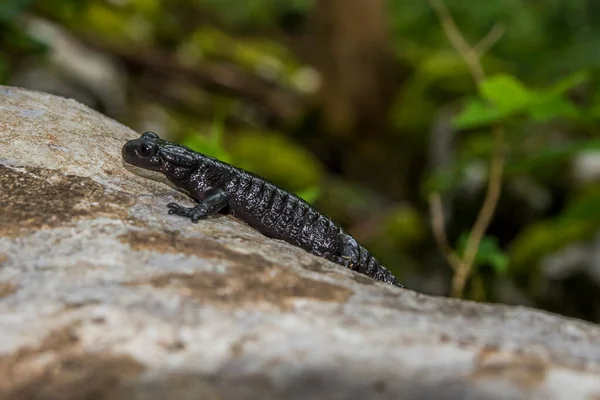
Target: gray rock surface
103,295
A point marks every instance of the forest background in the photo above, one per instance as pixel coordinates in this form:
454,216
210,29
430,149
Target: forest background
459,143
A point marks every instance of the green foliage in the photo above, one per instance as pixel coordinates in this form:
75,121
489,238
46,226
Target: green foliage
277,158
253,13
18,40
12,35
211,145
134,22
261,56
443,179
503,97
70,11
489,253
404,227
579,221
584,207
310,195
550,156
546,237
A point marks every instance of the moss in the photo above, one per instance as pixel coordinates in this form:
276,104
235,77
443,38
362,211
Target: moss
276,158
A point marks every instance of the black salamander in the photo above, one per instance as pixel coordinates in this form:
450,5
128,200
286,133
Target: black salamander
276,213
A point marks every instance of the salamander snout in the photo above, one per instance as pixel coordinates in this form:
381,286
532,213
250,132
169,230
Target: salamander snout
143,152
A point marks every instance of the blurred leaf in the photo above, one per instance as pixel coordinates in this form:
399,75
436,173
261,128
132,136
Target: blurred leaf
263,56
489,253
63,10
207,145
211,145
546,237
584,207
568,83
441,64
478,113
122,25
551,155
550,103
147,7
442,180
253,13
310,195
506,93
403,227
16,38
504,96
553,107
594,111
277,158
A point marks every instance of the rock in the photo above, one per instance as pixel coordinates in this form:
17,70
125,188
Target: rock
104,295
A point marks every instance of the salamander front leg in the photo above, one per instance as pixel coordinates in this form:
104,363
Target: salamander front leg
214,200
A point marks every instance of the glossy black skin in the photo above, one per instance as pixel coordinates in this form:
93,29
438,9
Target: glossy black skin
269,209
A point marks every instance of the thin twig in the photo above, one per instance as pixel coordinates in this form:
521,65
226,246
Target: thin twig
437,225
491,197
486,213
489,40
458,41
471,55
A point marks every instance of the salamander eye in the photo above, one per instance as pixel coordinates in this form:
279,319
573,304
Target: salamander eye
147,149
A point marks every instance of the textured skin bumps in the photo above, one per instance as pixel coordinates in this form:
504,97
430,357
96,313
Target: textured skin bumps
271,210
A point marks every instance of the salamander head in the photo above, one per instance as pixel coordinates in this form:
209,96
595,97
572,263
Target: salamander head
155,154
143,152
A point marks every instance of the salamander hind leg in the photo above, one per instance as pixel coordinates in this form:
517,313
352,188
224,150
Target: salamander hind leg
343,261
359,259
349,253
